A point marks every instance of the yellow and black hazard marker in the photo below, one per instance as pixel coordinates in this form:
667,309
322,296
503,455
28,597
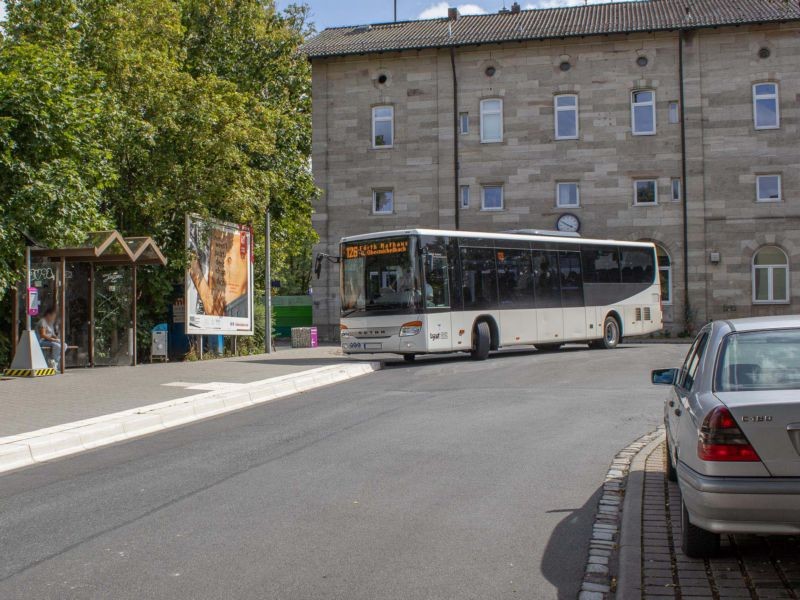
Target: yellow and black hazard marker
29,372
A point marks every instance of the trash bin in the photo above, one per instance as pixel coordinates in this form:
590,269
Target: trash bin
304,337
159,346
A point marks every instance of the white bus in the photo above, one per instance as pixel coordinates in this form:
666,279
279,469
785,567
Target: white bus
421,291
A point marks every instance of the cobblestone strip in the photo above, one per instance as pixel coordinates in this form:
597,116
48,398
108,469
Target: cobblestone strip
598,582
754,567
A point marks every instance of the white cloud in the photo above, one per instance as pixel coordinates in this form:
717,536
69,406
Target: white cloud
438,10
559,3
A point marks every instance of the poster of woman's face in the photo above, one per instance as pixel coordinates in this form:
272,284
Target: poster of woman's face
219,279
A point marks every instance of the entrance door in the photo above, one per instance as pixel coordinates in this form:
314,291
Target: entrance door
113,316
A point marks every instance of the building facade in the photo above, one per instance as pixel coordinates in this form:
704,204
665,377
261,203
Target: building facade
673,121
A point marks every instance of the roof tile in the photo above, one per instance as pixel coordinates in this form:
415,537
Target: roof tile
595,19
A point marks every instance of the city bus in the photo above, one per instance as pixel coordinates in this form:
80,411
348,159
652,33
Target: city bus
420,291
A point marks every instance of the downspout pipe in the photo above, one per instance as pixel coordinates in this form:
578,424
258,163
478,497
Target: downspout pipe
455,138
684,186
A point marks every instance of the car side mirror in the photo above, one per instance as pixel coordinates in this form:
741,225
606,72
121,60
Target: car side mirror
664,376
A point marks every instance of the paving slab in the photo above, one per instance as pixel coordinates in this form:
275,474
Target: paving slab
747,566
31,404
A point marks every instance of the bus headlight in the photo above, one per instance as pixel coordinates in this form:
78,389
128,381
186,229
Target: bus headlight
410,328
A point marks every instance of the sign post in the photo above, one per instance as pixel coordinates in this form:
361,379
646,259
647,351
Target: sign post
28,359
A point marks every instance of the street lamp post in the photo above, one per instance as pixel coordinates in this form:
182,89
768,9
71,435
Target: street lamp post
267,287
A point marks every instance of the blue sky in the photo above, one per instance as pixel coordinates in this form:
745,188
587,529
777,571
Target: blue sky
330,13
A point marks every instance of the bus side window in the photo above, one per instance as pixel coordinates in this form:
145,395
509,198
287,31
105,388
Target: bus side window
479,278
547,287
514,278
601,264
638,265
437,281
569,264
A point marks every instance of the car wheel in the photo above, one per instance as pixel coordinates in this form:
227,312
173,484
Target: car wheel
672,472
611,334
548,347
409,357
481,341
696,542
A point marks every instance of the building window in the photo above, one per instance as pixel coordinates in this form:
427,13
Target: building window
676,190
464,196
382,202
766,113
674,113
463,123
492,197
768,188
664,274
770,276
382,126
645,192
643,112
491,120
567,195
566,116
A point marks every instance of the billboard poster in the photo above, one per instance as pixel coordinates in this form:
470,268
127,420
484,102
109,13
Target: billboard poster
219,280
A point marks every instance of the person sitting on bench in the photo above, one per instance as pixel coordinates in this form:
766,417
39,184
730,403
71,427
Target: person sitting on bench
48,339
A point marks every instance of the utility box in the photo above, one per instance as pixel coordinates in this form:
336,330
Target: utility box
159,347
304,337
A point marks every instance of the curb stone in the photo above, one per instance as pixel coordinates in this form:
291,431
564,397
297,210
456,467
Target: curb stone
30,448
598,581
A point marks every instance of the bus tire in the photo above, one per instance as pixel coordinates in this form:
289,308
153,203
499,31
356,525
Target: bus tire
547,347
481,341
409,357
611,333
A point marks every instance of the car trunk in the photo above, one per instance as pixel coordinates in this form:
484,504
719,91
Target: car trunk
771,422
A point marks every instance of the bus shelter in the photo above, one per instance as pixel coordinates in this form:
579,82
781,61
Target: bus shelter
93,288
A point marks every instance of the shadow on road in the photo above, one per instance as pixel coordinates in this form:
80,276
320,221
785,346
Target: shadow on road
565,555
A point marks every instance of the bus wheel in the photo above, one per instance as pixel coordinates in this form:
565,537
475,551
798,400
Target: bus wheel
481,341
611,334
409,357
548,347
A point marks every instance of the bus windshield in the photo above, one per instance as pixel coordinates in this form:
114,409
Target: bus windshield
380,275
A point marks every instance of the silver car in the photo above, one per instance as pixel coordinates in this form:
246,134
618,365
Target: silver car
733,431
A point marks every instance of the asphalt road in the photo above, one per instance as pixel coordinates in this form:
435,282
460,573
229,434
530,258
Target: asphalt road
447,479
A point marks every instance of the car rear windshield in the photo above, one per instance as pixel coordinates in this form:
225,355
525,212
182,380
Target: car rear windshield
759,360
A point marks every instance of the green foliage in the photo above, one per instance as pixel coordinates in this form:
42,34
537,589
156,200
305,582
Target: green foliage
132,113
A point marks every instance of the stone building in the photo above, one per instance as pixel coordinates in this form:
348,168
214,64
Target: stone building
674,121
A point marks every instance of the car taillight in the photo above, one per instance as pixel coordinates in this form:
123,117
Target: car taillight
722,440
410,328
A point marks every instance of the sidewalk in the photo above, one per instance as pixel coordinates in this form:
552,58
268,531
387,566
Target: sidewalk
746,567
31,404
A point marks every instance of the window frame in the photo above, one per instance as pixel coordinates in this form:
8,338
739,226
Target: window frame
773,96
557,109
577,194
636,192
502,197
461,196
677,112
672,183
463,123
651,104
375,192
376,119
761,200
770,269
484,113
